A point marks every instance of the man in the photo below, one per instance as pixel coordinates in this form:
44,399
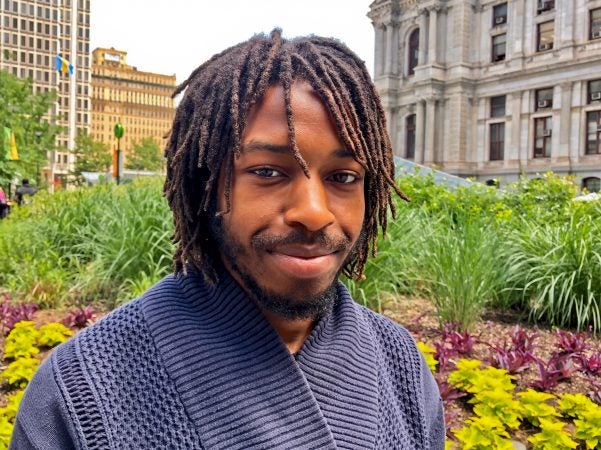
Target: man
26,190
279,177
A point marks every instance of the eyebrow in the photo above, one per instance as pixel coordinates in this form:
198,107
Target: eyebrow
258,146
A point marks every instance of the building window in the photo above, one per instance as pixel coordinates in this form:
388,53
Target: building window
499,14
497,141
497,106
544,36
410,137
593,133
542,137
413,56
545,5
595,23
594,91
592,184
544,99
499,47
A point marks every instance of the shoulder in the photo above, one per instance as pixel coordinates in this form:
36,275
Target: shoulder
405,376
387,332
119,333
43,420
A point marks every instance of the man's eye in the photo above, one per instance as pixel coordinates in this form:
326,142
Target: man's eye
344,178
267,172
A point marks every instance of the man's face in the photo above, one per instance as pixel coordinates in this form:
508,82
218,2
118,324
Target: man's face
287,235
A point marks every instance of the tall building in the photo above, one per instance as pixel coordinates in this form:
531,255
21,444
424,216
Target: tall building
32,34
141,101
493,88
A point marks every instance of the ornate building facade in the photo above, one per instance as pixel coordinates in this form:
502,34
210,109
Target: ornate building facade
141,101
32,34
492,88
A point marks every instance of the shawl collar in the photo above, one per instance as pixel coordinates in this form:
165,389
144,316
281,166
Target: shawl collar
240,385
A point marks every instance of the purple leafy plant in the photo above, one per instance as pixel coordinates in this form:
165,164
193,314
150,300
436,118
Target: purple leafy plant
514,356
559,367
11,314
443,355
595,392
80,317
590,365
522,341
571,343
461,341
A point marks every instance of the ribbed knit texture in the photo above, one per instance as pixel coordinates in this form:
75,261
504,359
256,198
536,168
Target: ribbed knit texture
191,366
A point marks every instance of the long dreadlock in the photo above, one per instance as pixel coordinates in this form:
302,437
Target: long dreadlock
210,120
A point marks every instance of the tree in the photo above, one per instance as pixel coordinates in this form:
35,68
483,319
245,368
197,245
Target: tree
145,155
91,155
26,114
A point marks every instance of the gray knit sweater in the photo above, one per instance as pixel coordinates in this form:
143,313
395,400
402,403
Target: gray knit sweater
189,366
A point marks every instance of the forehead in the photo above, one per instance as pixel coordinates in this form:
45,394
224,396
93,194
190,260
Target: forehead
309,118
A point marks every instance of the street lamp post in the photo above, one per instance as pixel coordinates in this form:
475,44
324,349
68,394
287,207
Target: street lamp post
118,162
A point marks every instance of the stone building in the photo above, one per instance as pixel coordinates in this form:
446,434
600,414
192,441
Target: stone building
492,88
32,34
141,101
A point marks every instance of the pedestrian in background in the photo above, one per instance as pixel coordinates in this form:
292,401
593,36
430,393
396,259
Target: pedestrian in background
26,190
3,204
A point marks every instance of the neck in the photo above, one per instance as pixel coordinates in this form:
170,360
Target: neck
293,332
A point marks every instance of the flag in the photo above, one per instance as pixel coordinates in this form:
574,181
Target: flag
10,145
14,154
6,143
63,65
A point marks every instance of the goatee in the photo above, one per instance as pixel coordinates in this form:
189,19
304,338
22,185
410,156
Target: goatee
288,307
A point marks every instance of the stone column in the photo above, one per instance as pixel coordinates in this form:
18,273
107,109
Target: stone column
388,49
433,35
392,50
396,66
564,27
423,26
379,49
430,130
516,112
420,123
393,130
565,119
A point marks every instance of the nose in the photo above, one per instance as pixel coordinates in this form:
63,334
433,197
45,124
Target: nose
308,205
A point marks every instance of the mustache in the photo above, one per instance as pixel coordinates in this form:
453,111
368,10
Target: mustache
267,241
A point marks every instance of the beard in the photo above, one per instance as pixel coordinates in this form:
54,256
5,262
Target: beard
290,307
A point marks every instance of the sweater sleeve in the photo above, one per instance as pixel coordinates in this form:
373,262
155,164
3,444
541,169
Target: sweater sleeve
43,420
433,408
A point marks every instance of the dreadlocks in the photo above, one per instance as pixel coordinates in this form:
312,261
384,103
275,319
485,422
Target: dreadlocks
211,118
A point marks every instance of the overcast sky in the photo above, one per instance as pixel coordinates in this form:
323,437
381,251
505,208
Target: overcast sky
175,36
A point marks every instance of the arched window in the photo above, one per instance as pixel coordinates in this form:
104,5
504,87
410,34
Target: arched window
410,136
413,56
592,184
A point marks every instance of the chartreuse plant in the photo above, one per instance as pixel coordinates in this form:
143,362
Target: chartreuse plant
14,400
587,416
6,430
52,334
499,404
22,345
21,341
428,352
465,374
535,407
471,378
552,436
19,372
483,433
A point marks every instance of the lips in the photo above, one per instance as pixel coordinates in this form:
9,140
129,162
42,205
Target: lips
304,262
